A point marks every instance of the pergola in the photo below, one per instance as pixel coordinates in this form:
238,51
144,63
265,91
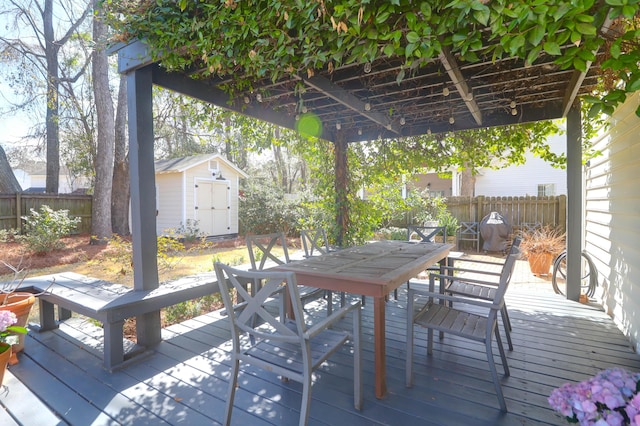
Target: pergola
356,103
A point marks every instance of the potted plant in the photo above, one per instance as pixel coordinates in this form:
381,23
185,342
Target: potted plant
541,245
17,302
9,335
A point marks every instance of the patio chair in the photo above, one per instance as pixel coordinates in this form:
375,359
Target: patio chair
424,234
286,347
480,283
261,255
315,243
468,231
479,324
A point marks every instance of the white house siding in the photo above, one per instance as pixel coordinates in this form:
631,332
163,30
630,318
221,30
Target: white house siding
524,179
170,202
612,220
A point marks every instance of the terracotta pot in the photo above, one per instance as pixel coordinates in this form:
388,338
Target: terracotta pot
4,359
540,263
20,304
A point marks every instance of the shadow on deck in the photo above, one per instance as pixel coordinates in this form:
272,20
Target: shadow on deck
60,379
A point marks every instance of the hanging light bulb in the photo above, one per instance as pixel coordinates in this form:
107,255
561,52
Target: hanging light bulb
367,67
445,91
338,126
259,97
402,121
514,111
512,105
367,106
360,131
246,100
470,96
429,131
452,120
297,117
304,109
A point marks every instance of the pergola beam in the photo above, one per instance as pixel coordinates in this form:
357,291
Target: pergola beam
346,99
460,83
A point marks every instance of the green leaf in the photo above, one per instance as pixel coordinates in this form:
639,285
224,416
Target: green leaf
388,49
585,28
615,50
413,37
535,36
552,48
482,15
533,54
579,64
638,114
382,17
633,85
400,76
629,11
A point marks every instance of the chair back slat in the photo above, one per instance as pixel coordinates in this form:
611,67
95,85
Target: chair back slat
254,318
314,242
261,248
426,234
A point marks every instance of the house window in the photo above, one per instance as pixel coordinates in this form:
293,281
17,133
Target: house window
546,190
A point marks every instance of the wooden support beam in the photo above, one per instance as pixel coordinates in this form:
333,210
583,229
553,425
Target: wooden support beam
460,83
345,98
578,76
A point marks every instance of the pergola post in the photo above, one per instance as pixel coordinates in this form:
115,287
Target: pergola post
574,201
341,186
143,197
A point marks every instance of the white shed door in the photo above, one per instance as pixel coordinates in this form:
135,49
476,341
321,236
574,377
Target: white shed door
213,207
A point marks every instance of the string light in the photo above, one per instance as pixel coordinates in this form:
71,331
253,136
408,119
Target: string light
367,67
359,131
429,131
367,106
445,91
304,109
246,100
452,120
512,105
338,126
402,121
514,111
259,97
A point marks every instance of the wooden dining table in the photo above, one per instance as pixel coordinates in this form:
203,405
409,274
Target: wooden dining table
374,269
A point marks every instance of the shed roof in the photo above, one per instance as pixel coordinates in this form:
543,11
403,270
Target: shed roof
179,165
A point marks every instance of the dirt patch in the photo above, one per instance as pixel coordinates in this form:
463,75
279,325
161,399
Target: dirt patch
76,249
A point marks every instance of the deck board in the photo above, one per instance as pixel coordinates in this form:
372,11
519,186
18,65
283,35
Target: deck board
184,379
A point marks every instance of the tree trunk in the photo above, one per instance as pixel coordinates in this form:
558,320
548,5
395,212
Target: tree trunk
467,181
53,137
8,182
101,207
120,194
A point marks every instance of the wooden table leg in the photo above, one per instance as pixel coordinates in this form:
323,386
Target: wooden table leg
379,346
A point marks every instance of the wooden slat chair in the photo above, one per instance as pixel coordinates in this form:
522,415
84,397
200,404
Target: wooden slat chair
287,347
480,283
424,234
479,324
316,243
469,231
262,255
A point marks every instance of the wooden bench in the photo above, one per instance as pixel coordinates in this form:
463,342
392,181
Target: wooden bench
110,304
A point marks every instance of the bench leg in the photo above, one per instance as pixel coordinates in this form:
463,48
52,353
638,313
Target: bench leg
113,346
47,316
63,314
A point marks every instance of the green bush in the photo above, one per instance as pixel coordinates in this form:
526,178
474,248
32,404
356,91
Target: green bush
265,209
45,228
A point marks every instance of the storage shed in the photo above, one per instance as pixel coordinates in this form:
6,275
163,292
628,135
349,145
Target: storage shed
202,188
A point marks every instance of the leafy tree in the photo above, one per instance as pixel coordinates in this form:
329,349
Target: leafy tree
49,50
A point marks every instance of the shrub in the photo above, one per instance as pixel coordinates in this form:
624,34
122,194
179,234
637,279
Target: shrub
190,231
9,235
45,228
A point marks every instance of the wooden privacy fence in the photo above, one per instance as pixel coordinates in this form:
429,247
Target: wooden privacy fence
14,206
518,211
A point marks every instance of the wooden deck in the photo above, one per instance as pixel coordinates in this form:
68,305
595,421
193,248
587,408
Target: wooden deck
60,379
